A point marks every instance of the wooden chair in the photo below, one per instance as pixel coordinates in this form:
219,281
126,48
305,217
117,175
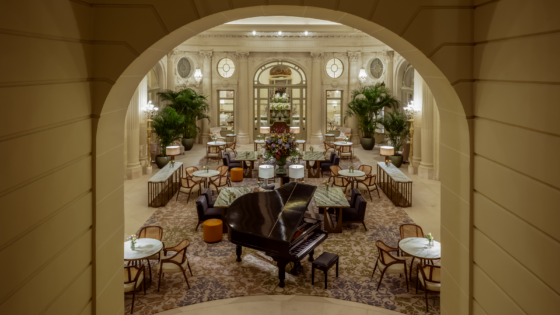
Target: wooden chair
176,263
155,232
189,174
220,180
133,277
328,147
190,186
430,278
338,180
215,131
231,142
410,230
368,183
388,263
346,151
213,152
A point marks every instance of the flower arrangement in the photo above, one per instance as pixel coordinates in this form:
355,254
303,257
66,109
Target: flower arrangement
351,168
280,146
326,185
214,139
311,148
172,163
430,238
132,238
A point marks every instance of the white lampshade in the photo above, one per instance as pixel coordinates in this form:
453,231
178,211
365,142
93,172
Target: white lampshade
296,171
387,150
266,171
265,129
173,150
294,130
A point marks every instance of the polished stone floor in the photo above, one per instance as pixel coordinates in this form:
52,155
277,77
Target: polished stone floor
425,210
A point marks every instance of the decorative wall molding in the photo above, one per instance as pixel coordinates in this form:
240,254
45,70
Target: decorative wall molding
206,54
290,35
242,55
354,56
317,56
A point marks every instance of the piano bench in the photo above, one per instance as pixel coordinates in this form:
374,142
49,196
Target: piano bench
212,230
324,262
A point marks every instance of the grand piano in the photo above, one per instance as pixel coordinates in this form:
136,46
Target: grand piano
274,222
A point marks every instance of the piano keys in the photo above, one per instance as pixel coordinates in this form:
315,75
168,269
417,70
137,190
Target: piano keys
274,222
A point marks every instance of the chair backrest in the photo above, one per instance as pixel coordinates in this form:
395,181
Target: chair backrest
215,130
213,149
335,169
355,194
361,205
201,206
384,254
431,273
231,139
365,168
345,130
188,182
331,158
369,180
155,232
336,160
346,148
226,158
223,170
181,250
410,230
208,194
190,170
131,273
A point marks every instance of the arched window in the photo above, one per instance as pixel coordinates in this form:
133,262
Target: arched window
334,68
407,88
226,68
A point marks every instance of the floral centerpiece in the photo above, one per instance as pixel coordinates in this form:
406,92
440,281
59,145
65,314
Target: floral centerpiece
280,146
132,238
430,239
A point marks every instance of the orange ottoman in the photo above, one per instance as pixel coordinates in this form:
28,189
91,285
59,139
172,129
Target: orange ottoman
212,230
236,174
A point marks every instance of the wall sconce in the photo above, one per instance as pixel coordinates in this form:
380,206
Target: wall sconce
197,75
362,76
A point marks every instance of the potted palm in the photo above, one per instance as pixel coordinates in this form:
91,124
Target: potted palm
366,105
190,105
397,131
168,126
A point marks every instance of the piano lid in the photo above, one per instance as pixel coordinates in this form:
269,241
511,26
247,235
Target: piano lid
271,214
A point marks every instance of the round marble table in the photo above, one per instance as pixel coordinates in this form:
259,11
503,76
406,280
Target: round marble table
342,143
298,142
417,247
207,175
257,142
216,143
145,247
351,176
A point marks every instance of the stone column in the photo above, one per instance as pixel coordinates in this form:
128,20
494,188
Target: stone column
315,106
417,147
436,141
133,167
142,137
207,90
426,168
242,107
389,83
355,59
171,70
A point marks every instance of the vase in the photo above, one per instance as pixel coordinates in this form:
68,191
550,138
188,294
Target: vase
132,245
281,162
396,160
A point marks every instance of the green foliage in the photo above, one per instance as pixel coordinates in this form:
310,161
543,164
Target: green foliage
168,126
367,103
189,104
397,128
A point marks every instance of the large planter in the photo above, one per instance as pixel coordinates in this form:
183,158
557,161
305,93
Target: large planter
187,143
367,143
281,162
396,160
161,161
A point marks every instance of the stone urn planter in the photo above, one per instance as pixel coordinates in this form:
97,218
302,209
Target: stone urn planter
161,161
187,143
396,160
367,143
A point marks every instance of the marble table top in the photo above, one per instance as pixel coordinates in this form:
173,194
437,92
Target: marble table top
247,156
223,200
145,247
214,143
165,172
259,141
332,198
329,134
394,173
343,143
418,247
347,173
231,135
313,156
203,173
300,141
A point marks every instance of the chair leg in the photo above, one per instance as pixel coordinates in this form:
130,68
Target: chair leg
189,267
377,188
369,192
134,295
405,277
426,293
380,278
190,193
364,223
149,268
374,268
178,195
185,275
326,276
337,268
312,275
159,280
411,264
144,285
417,281
196,229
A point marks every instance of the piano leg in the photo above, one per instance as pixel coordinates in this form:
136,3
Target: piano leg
298,268
238,251
282,272
311,255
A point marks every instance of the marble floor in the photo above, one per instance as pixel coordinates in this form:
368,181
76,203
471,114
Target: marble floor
425,210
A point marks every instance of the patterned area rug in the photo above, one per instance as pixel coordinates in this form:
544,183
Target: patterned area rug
218,276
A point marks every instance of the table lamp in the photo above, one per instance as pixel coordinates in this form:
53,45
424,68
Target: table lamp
387,151
173,150
266,171
294,130
265,130
296,171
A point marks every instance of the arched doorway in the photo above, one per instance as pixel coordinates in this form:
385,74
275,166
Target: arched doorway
456,162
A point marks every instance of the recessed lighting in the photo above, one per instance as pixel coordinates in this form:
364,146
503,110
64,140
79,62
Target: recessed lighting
254,33
279,32
305,33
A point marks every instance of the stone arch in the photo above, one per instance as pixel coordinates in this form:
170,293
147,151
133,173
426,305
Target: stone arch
110,110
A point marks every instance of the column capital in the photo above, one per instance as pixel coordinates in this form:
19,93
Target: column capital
354,55
390,54
207,54
242,55
316,56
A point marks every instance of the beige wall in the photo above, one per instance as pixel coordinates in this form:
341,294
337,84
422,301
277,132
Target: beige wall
71,68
